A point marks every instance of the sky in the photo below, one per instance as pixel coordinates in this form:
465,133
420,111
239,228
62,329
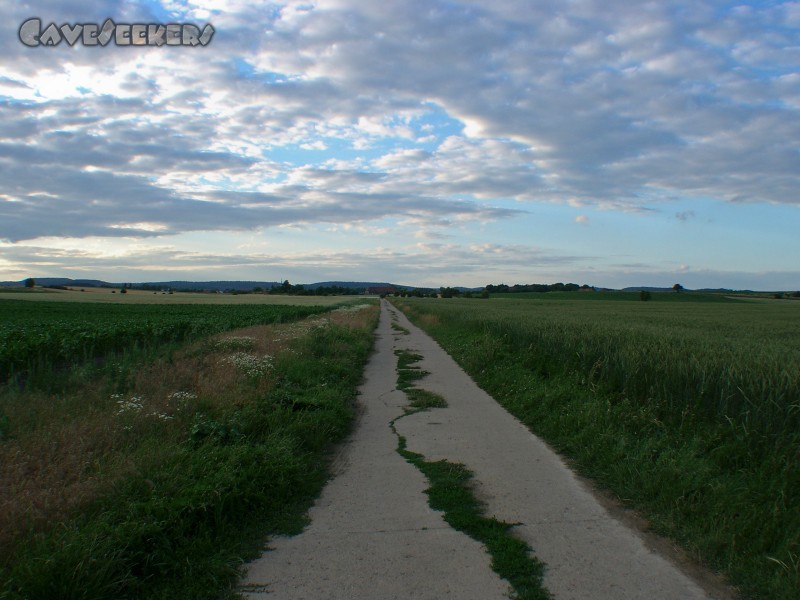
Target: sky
418,142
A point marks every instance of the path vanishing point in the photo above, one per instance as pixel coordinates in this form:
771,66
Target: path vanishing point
373,536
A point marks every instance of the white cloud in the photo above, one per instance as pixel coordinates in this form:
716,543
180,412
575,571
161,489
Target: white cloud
420,111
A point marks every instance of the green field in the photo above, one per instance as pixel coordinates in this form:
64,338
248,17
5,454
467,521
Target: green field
615,295
688,410
37,336
107,295
159,472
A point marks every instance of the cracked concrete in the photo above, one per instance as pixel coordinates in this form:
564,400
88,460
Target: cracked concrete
372,534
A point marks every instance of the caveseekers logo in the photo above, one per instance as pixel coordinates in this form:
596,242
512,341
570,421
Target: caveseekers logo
123,34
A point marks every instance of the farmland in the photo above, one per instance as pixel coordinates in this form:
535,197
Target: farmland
688,411
106,295
147,450
37,336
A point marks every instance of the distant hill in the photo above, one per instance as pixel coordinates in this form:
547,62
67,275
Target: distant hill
45,281
725,291
700,290
353,285
644,288
213,286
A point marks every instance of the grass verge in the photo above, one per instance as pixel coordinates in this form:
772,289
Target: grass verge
451,493
184,471
720,477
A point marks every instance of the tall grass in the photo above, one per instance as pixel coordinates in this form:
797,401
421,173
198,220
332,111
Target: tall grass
186,469
689,411
731,361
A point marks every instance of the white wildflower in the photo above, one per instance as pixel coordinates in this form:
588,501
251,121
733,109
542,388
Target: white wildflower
132,405
180,400
250,364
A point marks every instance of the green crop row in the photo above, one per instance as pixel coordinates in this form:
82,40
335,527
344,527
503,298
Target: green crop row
47,334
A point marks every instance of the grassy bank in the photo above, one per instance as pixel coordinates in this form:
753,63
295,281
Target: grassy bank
160,484
688,411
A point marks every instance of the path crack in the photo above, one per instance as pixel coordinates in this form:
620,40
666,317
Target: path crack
451,493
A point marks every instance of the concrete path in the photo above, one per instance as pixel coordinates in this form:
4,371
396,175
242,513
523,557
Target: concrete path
372,534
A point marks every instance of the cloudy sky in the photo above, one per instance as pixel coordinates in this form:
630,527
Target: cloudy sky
422,142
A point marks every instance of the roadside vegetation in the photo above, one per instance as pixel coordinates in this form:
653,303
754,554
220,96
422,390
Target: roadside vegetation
157,474
688,411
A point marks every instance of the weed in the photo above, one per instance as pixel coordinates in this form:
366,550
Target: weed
406,374
450,493
400,328
424,399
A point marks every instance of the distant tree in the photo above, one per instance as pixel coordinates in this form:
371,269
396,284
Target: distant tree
484,294
677,287
124,290
499,289
644,295
449,292
30,282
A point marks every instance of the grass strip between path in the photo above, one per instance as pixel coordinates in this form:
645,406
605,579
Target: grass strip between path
451,493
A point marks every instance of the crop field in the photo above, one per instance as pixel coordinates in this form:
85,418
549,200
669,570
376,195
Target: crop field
114,296
157,472
37,336
688,411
